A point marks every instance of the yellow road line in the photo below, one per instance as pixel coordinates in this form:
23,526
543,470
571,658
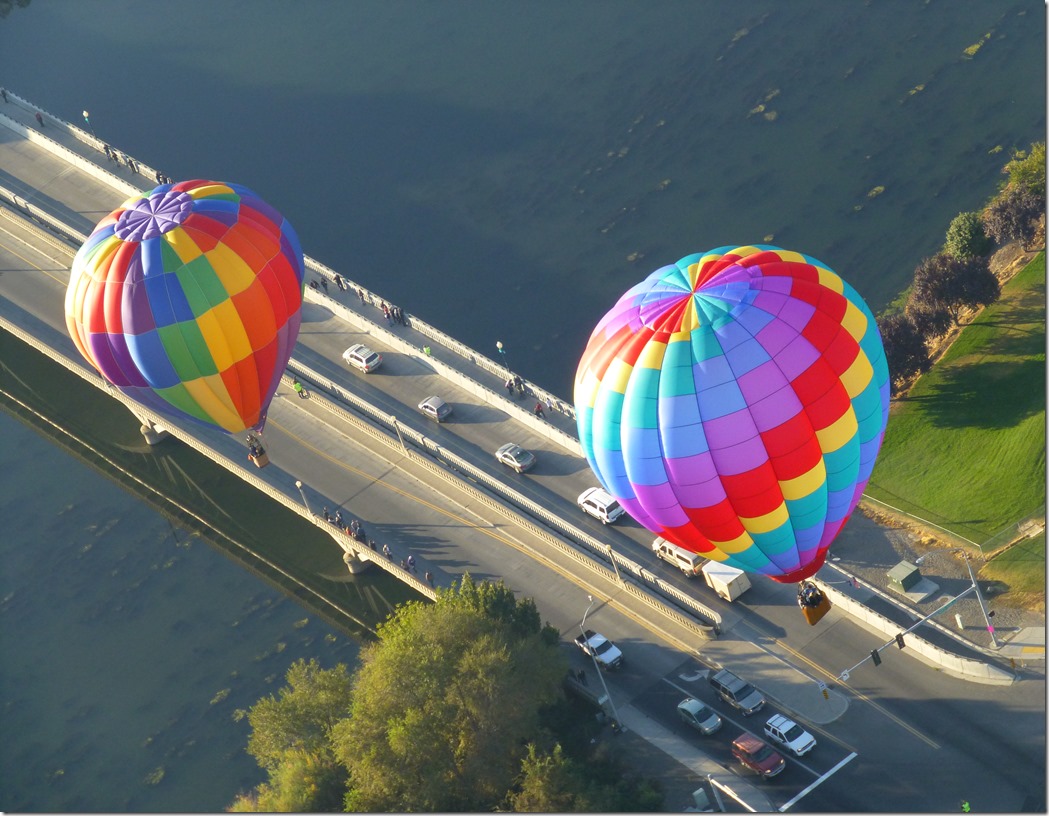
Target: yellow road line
493,533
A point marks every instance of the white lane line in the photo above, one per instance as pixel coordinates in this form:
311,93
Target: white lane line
819,781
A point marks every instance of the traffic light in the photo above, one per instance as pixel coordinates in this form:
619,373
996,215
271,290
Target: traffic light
899,640
875,657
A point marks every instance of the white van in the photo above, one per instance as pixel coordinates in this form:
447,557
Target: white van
600,504
685,560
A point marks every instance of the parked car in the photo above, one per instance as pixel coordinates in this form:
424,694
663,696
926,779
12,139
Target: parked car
600,504
699,716
514,456
436,408
737,692
757,755
363,358
604,651
789,734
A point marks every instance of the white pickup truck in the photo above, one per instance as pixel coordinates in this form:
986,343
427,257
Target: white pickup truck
604,651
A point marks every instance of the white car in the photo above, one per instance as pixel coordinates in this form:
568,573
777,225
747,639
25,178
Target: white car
600,504
362,358
436,408
789,734
514,456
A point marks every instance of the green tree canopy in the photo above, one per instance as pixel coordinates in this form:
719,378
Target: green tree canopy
300,783
1027,169
446,702
291,739
966,237
301,716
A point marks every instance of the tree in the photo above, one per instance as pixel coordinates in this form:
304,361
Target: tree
966,237
302,716
291,739
445,703
944,283
1027,169
555,783
905,350
1014,215
548,784
299,783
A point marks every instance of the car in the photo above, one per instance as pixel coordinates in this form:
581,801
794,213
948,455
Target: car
699,716
363,358
436,408
601,649
789,734
736,692
514,456
600,504
758,756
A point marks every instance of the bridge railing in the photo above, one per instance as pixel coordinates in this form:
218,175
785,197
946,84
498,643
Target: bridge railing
568,441
401,435
455,463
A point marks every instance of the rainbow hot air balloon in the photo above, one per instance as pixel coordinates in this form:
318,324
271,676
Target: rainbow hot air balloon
734,403
188,298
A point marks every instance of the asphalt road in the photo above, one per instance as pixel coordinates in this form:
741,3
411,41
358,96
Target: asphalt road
922,741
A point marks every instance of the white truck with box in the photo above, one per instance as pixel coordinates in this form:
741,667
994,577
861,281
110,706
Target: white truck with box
726,581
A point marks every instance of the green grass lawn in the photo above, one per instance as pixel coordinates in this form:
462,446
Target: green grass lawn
966,448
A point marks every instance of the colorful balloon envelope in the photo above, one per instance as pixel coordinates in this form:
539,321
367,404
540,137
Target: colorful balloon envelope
735,403
188,299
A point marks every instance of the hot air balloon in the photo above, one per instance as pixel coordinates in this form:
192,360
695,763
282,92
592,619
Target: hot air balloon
188,298
734,403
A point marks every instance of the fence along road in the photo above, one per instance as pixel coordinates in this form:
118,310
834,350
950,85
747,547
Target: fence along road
485,416
103,191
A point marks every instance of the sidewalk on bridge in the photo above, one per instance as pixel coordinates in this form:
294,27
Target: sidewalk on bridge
864,550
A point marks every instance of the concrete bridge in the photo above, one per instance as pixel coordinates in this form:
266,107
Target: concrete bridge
356,430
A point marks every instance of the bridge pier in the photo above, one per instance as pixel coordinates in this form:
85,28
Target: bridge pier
153,434
355,563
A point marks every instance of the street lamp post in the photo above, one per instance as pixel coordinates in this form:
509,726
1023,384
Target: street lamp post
302,493
397,428
502,352
87,119
597,668
976,587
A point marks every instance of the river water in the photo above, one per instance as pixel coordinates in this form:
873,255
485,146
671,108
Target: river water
504,170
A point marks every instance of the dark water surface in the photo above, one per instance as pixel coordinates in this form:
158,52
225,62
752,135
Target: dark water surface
504,170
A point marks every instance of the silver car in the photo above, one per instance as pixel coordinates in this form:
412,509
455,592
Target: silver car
514,456
698,715
436,408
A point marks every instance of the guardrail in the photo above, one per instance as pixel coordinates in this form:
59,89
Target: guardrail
963,667
712,618
400,435
347,543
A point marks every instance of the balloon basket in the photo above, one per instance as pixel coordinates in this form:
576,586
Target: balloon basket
814,614
260,459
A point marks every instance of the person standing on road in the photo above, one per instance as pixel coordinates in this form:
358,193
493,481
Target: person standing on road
39,119
538,410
